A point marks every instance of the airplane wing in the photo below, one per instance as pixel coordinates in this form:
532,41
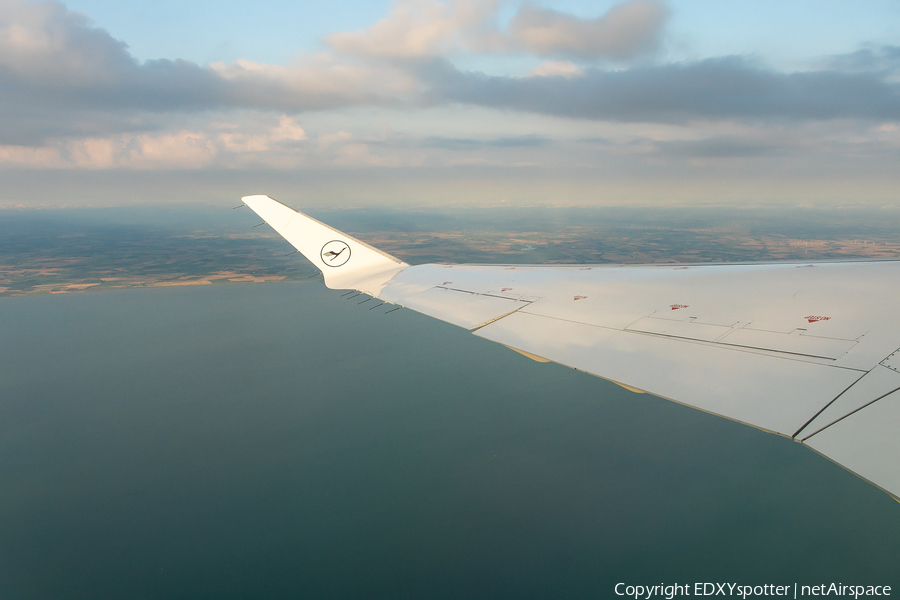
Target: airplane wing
807,351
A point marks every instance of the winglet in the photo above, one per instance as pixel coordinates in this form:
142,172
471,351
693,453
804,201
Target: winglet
346,262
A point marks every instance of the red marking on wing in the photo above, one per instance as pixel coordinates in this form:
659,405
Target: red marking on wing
814,318
505,289
447,283
677,306
579,297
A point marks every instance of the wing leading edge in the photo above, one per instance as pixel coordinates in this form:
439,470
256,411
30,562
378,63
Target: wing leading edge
805,351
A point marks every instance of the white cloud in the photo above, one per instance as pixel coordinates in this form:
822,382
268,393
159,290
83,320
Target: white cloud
30,157
418,28
62,75
177,150
287,131
95,153
181,150
359,155
327,139
556,68
429,28
627,30
43,41
313,81
391,96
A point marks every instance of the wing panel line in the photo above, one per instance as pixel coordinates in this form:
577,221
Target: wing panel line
733,347
850,413
821,410
495,319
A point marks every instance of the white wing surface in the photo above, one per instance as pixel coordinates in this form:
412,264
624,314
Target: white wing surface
808,351
345,261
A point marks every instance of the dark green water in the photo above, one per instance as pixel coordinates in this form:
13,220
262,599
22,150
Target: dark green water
279,441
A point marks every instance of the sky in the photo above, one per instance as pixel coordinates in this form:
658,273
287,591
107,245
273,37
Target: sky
460,102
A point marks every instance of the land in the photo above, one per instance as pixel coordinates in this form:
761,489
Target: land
583,245
80,262
53,252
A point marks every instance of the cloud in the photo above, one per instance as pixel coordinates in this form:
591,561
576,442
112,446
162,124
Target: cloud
287,130
178,150
884,60
430,28
44,42
80,100
325,141
224,143
556,68
181,150
63,76
466,144
419,28
54,57
725,146
359,155
721,88
626,31
27,156
311,83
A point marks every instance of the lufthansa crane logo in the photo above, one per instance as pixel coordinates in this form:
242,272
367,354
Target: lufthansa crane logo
335,253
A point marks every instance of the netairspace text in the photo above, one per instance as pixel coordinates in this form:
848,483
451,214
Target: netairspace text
670,591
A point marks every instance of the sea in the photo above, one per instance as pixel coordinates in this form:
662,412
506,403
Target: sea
280,440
